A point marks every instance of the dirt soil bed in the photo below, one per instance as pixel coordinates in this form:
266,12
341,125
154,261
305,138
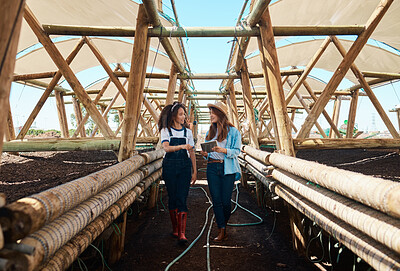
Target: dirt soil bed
149,245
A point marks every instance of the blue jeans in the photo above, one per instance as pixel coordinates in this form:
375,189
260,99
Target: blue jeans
221,187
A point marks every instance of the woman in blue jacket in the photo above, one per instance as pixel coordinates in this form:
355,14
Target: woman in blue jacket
222,164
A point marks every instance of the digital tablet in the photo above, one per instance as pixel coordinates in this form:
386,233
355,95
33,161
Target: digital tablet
207,146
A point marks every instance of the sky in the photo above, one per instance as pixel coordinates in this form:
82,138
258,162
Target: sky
206,55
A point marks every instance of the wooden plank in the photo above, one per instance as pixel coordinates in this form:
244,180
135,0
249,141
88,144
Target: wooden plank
11,13
344,66
270,65
67,72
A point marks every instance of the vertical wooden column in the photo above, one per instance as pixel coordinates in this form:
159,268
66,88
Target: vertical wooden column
248,105
352,114
153,197
67,73
232,98
270,64
335,116
135,87
173,75
10,134
11,13
62,115
78,115
181,91
344,66
47,92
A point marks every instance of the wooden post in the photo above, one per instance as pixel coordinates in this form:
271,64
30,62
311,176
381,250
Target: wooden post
368,90
248,105
344,66
232,99
335,116
259,193
270,64
47,92
78,115
181,91
67,73
135,87
173,75
153,197
352,114
62,115
11,13
10,133
105,111
116,243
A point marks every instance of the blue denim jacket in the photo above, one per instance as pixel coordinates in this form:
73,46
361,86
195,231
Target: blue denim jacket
233,145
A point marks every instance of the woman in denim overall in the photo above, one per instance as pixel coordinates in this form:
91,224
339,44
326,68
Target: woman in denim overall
179,164
223,167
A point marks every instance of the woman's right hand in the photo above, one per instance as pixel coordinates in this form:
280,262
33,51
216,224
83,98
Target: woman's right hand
204,153
186,147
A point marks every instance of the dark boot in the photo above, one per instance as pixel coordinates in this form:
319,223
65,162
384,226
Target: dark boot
182,216
221,235
174,220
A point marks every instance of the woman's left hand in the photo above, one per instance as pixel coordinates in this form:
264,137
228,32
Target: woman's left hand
194,178
219,149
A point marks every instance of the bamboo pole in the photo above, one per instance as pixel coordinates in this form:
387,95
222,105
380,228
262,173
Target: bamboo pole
67,72
378,226
10,131
380,194
68,253
237,31
57,233
375,254
181,92
29,214
62,115
386,75
11,14
350,143
369,91
40,75
344,66
78,115
249,107
173,75
135,87
336,112
270,64
352,114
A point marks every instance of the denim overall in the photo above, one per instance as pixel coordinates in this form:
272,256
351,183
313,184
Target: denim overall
177,173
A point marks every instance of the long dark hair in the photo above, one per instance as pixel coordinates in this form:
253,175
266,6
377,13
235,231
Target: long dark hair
223,125
168,114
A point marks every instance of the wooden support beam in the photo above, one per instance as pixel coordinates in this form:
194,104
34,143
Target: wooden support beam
49,88
62,115
67,72
386,75
11,13
348,143
173,75
181,92
232,100
200,31
135,86
78,115
368,90
10,131
352,114
249,107
335,116
344,66
270,64
41,75
106,110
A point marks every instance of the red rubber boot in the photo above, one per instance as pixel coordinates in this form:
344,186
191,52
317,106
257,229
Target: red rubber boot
174,220
182,216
